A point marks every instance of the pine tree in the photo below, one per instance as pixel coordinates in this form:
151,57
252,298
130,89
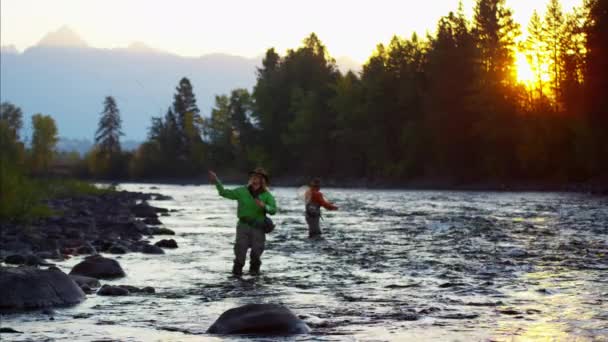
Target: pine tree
109,131
496,100
496,31
554,35
188,120
536,48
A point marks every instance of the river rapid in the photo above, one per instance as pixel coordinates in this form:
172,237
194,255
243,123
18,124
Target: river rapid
393,266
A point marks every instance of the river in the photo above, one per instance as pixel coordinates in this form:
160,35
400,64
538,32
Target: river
393,266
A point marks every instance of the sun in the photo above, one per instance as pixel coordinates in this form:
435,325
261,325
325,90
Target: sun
525,74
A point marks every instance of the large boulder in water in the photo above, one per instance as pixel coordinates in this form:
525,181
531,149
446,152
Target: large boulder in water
98,267
259,319
26,288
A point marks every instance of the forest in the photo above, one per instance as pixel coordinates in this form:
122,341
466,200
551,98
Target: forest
473,102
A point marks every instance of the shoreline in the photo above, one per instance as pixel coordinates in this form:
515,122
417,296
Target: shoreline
594,187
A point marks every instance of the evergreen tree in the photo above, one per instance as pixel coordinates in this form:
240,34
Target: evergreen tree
496,96
109,131
596,79
554,35
450,71
188,119
536,48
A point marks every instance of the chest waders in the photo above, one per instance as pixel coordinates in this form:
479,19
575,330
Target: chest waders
313,219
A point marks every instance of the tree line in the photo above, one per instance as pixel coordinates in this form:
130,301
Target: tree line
446,107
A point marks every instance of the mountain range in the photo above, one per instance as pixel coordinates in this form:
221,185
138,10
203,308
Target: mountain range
64,77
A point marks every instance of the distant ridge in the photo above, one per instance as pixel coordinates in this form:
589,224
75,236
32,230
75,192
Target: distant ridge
63,37
64,77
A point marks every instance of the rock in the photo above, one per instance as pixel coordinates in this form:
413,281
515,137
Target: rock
87,248
9,331
509,311
54,254
98,267
111,290
30,260
34,260
26,288
148,289
517,253
134,289
259,319
86,289
116,249
161,197
161,231
15,259
143,210
152,221
83,280
151,249
166,243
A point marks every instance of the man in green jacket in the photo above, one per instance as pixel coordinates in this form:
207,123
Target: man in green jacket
254,202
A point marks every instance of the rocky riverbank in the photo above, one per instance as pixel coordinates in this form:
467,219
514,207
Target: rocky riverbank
113,222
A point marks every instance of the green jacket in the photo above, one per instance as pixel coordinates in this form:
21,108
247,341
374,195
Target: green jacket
247,208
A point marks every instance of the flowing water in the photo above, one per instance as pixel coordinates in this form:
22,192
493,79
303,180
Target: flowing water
393,265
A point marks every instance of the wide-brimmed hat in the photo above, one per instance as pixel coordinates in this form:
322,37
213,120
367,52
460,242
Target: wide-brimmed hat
315,182
260,172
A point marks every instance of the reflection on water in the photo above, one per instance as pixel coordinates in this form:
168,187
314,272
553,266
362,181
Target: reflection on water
394,265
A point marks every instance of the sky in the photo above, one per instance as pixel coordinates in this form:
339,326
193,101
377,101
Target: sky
239,27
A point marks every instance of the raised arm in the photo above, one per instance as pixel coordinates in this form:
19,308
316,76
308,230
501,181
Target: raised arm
226,193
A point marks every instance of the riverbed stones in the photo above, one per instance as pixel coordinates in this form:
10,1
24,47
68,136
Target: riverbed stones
86,248
144,210
117,249
83,280
154,221
123,290
152,249
15,259
27,288
111,290
259,319
166,243
161,231
98,267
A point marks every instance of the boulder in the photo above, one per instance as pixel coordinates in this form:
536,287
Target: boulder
117,249
83,280
161,197
86,289
87,248
161,231
134,289
15,259
259,319
98,267
166,243
144,210
27,288
111,290
154,221
30,260
123,290
151,249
